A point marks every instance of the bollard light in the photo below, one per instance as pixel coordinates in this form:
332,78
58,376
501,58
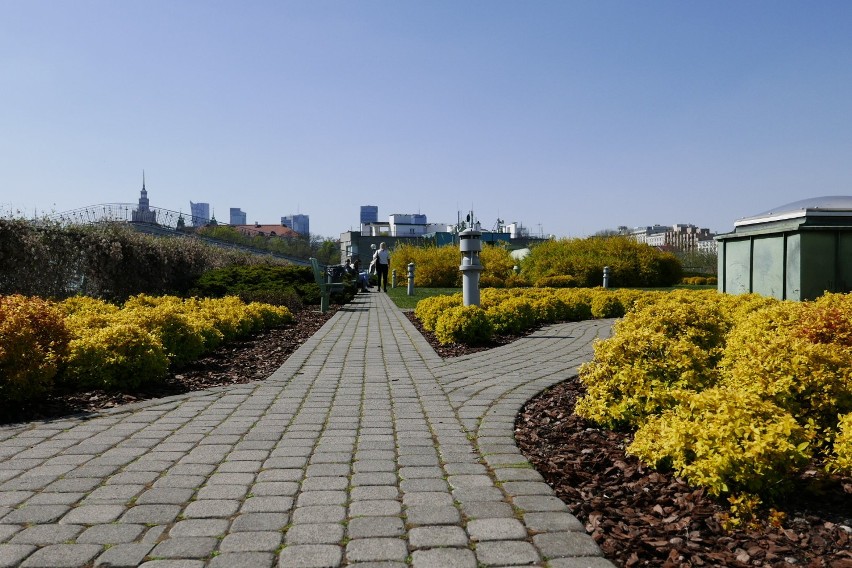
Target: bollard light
393,278
606,277
410,278
470,245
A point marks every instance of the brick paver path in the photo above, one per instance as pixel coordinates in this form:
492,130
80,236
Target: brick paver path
364,448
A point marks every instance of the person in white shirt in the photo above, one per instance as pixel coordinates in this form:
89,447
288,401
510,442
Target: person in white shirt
382,258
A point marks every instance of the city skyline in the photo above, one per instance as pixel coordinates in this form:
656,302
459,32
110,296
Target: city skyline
569,117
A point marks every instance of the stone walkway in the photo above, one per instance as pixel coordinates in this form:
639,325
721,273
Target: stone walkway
364,449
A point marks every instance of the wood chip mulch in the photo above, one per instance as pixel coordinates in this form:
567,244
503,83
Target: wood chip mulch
637,516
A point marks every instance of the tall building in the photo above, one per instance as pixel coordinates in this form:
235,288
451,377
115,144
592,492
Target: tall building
369,214
238,216
143,213
200,213
299,223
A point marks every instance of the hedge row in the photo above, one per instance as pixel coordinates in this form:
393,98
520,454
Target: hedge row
82,343
108,260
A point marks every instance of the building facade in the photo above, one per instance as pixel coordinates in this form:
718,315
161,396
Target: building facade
237,216
299,223
681,237
369,214
200,213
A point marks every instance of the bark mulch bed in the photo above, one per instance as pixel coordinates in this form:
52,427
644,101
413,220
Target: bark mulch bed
637,516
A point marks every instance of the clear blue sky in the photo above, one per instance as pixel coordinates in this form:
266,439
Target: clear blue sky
567,116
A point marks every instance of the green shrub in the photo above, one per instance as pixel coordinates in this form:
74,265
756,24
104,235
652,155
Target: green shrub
464,324
33,340
289,286
561,281
725,439
631,263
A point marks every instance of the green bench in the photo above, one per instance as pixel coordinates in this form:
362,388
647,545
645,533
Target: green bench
326,286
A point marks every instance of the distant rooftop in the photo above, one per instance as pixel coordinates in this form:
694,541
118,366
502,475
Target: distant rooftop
834,205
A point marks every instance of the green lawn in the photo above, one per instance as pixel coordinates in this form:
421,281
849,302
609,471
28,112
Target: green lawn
401,298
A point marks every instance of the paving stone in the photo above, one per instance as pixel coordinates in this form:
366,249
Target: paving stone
151,514
260,522
517,474
307,498
46,534
437,536
13,498
199,527
375,508
289,488
280,475
552,522
316,533
211,508
243,560
376,550
538,504
487,510
432,515
368,527
54,499
472,494
377,478
367,466
267,505
124,555
11,555
36,514
165,496
417,472
496,529
6,531
62,556
527,488
443,557
310,556
114,533
325,483
185,547
427,498
93,514
265,541
114,493
319,514
506,552
420,485
373,492
584,562
177,563
558,545
184,481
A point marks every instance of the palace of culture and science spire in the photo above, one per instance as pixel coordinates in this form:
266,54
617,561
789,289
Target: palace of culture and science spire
143,213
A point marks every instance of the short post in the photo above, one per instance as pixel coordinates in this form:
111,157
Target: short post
393,278
410,278
470,245
606,277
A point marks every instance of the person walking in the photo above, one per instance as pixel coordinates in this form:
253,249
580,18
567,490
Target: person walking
382,258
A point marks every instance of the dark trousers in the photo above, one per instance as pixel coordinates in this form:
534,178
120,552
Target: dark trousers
382,272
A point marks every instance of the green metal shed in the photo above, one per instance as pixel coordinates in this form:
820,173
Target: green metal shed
793,252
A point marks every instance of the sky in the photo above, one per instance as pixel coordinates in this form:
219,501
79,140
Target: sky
567,116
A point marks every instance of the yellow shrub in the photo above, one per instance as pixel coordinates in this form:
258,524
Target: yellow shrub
82,312
725,439
429,310
842,459
561,281
795,354
33,339
659,349
116,357
511,316
464,324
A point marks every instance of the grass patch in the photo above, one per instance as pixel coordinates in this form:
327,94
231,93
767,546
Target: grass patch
400,297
